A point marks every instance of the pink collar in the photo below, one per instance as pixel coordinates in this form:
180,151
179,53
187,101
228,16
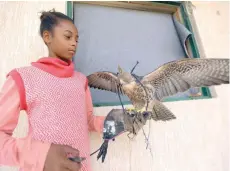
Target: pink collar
55,66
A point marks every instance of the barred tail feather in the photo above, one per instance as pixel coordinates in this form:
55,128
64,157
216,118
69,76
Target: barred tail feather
161,112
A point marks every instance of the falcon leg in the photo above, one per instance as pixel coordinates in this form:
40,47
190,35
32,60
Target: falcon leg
141,110
130,110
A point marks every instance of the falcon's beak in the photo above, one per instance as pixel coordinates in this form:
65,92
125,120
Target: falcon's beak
119,69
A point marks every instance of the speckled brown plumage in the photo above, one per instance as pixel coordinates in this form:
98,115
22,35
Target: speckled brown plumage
166,80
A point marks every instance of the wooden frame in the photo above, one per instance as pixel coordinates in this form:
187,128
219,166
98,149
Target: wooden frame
177,9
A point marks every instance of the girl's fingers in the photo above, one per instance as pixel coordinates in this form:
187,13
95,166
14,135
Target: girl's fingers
73,166
71,150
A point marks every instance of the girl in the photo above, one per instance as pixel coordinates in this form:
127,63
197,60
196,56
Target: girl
58,103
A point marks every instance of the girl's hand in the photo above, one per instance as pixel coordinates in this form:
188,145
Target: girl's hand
57,159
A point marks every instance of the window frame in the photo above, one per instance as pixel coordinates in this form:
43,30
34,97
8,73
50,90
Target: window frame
175,8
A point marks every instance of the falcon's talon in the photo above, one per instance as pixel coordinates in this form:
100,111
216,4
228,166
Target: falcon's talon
141,110
130,109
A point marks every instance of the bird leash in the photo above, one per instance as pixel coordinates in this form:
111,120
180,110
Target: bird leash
134,121
146,138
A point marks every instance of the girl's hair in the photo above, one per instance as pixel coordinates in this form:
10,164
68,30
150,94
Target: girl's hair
50,19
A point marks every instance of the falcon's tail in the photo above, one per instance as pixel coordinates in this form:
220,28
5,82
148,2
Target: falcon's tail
161,112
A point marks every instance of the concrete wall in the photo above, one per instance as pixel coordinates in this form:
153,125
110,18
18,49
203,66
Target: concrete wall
196,141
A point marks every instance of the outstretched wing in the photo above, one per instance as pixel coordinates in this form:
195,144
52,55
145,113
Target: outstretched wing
105,81
179,76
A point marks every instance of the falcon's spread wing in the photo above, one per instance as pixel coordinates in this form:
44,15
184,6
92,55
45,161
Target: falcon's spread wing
179,76
105,81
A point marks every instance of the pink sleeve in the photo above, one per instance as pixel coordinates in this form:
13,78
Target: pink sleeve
96,123
19,152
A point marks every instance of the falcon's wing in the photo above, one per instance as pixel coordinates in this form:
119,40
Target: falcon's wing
179,76
105,81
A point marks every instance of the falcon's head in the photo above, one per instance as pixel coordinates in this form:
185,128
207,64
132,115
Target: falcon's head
124,77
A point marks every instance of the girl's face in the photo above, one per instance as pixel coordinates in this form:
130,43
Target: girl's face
63,41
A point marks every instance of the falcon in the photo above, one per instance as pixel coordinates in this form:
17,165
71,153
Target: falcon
146,92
